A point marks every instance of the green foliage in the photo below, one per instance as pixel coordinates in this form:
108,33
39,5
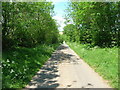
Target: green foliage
102,60
96,23
20,64
28,24
29,34
69,31
60,39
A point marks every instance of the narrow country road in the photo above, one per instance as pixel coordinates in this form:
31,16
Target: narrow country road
66,70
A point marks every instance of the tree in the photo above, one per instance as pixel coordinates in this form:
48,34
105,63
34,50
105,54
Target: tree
95,22
28,24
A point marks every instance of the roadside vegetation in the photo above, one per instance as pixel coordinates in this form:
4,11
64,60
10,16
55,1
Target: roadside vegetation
102,60
93,35
21,64
30,35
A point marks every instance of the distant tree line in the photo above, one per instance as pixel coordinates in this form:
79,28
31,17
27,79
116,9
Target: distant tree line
28,24
95,23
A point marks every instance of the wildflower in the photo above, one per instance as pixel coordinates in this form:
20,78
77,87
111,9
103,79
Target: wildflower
11,71
8,60
13,62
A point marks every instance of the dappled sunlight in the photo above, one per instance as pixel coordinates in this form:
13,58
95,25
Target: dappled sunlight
48,74
34,46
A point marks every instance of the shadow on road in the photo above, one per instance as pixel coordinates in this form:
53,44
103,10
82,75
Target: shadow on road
47,77
62,47
62,60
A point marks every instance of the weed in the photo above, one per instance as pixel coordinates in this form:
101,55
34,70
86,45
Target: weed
102,60
21,64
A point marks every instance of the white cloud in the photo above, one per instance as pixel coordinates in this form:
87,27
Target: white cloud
60,21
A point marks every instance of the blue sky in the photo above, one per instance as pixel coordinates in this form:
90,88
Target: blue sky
60,12
60,7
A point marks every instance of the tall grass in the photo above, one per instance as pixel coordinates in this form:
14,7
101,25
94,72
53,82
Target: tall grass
21,64
102,60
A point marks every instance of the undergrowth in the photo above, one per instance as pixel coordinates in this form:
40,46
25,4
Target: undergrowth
21,64
102,60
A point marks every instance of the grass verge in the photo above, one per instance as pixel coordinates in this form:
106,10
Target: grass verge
102,60
21,64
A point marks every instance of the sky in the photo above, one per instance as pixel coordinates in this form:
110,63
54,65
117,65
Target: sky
59,9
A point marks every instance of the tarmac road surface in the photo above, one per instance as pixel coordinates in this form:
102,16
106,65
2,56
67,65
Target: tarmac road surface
66,70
